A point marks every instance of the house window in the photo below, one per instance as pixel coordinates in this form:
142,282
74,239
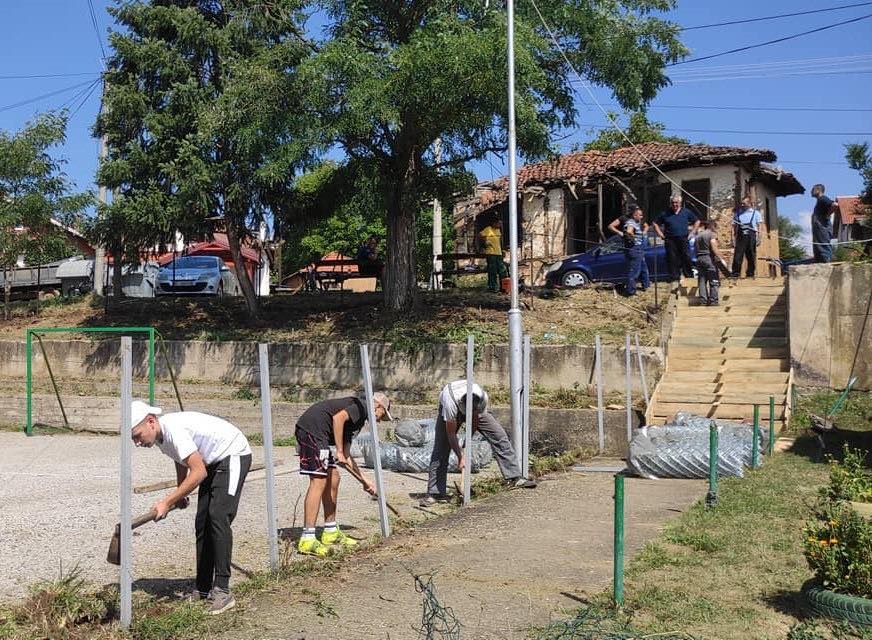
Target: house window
696,192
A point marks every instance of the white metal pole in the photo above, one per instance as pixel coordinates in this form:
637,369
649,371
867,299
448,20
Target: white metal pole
515,328
470,421
629,394
125,578
437,223
525,444
600,409
266,421
376,448
641,371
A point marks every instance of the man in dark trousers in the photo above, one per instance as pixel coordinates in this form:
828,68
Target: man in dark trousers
452,407
325,427
708,257
634,231
674,228
747,231
214,456
821,225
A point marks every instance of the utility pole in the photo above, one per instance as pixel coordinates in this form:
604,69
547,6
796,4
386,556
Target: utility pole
515,328
437,223
100,251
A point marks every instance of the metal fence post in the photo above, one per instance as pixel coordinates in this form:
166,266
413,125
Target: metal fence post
618,559
266,419
28,382
525,444
600,409
125,579
470,421
384,520
151,365
642,371
711,498
771,425
629,393
755,445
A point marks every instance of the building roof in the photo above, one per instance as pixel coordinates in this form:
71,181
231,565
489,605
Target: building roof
851,209
587,167
217,246
781,182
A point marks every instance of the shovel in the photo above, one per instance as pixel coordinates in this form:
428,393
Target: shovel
114,555
362,482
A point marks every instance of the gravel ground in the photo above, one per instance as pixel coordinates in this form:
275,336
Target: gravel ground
59,504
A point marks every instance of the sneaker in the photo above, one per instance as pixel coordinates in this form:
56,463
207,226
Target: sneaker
713,303
522,483
434,498
338,537
221,601
313,547
196,596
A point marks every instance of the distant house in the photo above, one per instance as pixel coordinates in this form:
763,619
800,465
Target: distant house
566,204
849,221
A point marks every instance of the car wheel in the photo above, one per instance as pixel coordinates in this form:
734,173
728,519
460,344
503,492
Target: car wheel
575,279
220,292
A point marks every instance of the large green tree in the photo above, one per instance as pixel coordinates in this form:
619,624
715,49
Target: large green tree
200,110
33,190
788,240
394,75
639,130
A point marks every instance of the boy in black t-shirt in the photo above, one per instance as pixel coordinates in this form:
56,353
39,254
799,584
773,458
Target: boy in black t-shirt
323,427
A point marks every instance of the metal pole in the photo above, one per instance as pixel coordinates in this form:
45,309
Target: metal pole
755,444
437,223
525,444
384,521
515,328
54,383
28,382
125,579
266,419
600,408
642,371
711,498
629,391
470,420
656,302
771,424
150,365
618,562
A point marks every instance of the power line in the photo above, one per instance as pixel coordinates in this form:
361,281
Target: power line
796,63
775,41
735,108
90,92
749,132
45,95
49,75
96,29
782,15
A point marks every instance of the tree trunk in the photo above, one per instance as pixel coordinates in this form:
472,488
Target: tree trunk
245,283
399,282
7,292
117,282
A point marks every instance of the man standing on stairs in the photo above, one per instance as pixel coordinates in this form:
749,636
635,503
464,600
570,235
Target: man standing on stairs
747,231
821,225
675,227
707,257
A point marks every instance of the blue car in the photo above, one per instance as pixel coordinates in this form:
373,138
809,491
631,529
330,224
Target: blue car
608,263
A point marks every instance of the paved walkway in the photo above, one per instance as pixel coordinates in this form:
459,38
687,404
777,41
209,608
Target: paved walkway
515,560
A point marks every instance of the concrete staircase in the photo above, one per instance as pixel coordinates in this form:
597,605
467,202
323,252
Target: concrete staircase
720,361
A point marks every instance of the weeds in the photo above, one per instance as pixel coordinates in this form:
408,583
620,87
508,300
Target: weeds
244,393
322,609
170,621
278,441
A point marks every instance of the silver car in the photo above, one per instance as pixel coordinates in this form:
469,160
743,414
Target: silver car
196,275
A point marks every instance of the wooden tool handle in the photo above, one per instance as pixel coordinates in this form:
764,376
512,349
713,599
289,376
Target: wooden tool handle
362,482
140,520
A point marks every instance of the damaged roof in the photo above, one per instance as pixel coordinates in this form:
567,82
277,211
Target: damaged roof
587,167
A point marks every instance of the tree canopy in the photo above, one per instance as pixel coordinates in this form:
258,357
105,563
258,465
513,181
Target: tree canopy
33,191
788,240
639,131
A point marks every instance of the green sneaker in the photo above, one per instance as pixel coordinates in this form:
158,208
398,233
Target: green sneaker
338,537
313,547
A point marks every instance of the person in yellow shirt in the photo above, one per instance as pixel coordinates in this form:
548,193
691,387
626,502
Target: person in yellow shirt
492,246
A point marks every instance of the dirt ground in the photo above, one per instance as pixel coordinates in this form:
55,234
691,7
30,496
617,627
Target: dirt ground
572,317
518,559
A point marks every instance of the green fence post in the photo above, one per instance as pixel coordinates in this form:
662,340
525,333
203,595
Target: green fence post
711,498
28,382
771,424
151,366
619,541
755,445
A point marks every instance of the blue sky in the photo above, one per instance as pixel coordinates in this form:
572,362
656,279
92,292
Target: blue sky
831,69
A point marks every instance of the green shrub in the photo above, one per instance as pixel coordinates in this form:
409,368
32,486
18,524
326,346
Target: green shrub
850,479
838,548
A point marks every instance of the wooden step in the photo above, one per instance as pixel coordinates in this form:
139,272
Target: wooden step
688,352
672,389
734,319
726,397
758,377
728,411
746,331
720,364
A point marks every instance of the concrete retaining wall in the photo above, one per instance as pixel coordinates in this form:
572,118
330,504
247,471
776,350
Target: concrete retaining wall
831,324
331,365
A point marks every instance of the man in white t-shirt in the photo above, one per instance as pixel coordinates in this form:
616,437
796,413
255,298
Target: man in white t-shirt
212,454
452,407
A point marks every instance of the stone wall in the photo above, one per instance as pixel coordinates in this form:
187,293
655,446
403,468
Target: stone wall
831,324
330,365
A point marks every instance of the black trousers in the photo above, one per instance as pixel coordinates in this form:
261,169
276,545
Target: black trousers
678,257
216,509
746,247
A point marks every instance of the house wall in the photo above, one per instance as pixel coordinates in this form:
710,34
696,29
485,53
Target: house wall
722,180
545,223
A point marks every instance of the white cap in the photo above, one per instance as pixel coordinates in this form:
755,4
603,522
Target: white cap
139,410
385,403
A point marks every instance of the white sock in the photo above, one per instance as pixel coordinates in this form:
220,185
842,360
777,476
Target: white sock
308,534
330,527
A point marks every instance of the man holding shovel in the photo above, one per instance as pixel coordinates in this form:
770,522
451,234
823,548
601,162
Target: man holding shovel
210,454
324,433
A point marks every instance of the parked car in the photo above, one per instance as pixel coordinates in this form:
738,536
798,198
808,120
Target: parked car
607,263
196,275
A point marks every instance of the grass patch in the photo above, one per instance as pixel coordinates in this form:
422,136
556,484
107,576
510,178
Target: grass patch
855,414
256,439
244,393
170,621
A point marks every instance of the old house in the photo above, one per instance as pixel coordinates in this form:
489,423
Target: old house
566,204
849,221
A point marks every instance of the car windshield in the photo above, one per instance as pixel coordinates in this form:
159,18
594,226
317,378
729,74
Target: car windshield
194,262
615,243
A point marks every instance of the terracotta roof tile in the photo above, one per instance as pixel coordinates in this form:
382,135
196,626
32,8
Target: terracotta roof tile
851,209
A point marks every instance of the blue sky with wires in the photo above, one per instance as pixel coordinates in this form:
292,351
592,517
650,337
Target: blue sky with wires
802,97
